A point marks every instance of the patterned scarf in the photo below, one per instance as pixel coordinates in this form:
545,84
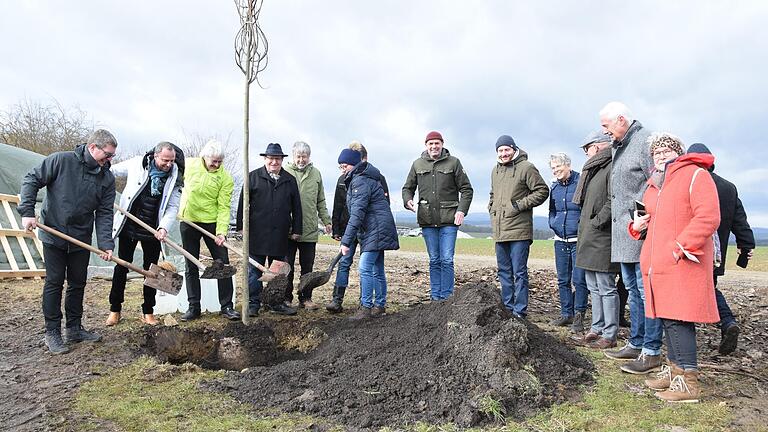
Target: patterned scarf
158,178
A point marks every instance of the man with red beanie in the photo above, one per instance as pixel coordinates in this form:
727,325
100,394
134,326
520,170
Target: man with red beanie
445,194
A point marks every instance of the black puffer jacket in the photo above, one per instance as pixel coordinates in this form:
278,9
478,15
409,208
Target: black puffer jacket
340,215
370,218
79,192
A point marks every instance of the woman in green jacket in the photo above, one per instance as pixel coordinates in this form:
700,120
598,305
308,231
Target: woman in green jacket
206,201
312,209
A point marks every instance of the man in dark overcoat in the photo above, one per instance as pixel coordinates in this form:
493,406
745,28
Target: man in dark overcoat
275,217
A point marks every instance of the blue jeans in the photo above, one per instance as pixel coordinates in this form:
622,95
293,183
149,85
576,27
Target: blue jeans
373,281
345,263
567,273
441,244
726,315
255,286
644,332
512,260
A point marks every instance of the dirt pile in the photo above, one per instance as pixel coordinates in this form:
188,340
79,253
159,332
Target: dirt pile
465,360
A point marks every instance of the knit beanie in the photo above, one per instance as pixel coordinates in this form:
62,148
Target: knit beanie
663,139
505,140
698,148
349,157
433,136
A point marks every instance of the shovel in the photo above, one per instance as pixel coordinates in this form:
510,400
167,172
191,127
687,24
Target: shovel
315,279
267,274
156,277
218,270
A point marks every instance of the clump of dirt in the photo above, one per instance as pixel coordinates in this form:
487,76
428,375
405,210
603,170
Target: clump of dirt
465,360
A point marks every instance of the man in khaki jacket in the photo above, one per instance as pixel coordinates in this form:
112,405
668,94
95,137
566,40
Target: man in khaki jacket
516,188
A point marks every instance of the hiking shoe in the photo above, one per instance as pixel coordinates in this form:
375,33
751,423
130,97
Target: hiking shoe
378,311
561,321
643,364
602,344
626,353
729,340
54,343
334,306
361,314
664,378
192,313
230,314
309,305
113,319
79,334
578,323
682,388
282,309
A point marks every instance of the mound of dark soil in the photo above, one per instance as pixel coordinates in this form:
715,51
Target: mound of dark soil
456,361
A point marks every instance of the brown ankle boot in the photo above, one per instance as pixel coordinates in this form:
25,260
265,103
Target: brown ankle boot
683,388
113,319
664,378
149,319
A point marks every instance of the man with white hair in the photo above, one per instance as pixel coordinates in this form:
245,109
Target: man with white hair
206,201
632,165
313,208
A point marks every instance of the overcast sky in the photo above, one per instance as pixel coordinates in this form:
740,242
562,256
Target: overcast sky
387,73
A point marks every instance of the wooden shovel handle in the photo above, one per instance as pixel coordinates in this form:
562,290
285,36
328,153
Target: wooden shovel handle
167,240
227,245
93,249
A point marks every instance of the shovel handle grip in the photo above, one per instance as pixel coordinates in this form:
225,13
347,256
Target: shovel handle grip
86,246
167,240
226,245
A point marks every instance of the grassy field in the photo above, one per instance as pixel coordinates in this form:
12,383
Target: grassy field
543,249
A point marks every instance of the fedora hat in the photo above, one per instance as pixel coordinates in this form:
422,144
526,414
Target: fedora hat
273,149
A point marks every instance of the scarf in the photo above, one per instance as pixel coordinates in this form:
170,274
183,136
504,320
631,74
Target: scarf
158,178
590,168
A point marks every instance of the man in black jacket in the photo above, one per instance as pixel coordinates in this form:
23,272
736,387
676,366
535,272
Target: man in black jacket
339,219
275,217
733,219
80,190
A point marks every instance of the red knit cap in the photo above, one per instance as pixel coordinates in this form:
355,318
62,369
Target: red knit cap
434,135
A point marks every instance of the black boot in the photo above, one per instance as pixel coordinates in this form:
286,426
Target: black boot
578,323
192,313
54,342
338,298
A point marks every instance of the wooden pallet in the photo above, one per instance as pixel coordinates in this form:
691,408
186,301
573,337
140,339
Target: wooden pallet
8,233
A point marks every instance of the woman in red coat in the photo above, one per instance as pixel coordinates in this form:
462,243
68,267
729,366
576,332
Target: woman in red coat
677,258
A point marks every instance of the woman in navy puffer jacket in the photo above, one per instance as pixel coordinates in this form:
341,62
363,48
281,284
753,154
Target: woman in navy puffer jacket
372,224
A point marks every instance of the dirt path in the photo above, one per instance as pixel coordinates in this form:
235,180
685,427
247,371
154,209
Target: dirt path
38,388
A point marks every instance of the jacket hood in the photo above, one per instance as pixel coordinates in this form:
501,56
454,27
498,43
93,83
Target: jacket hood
365,169
443,154
521,156
701,159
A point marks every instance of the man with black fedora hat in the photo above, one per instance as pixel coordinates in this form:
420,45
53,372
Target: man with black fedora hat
275,217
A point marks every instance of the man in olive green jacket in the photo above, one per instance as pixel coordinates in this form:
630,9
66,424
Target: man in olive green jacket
440,179
516,188
312,207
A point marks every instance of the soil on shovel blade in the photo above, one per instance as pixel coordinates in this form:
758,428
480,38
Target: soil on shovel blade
438,362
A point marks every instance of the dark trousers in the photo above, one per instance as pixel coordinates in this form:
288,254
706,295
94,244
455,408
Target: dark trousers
623,296
190,240
255,286
306,252
125,250
726,315
61,264
681,343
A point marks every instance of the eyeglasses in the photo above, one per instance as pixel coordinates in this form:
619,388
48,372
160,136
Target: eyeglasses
587,147
342,167
664,153
107,154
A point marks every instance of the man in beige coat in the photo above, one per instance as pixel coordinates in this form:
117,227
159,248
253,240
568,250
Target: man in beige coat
516,188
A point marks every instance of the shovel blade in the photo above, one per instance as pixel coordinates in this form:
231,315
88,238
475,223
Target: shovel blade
164,280
280,267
